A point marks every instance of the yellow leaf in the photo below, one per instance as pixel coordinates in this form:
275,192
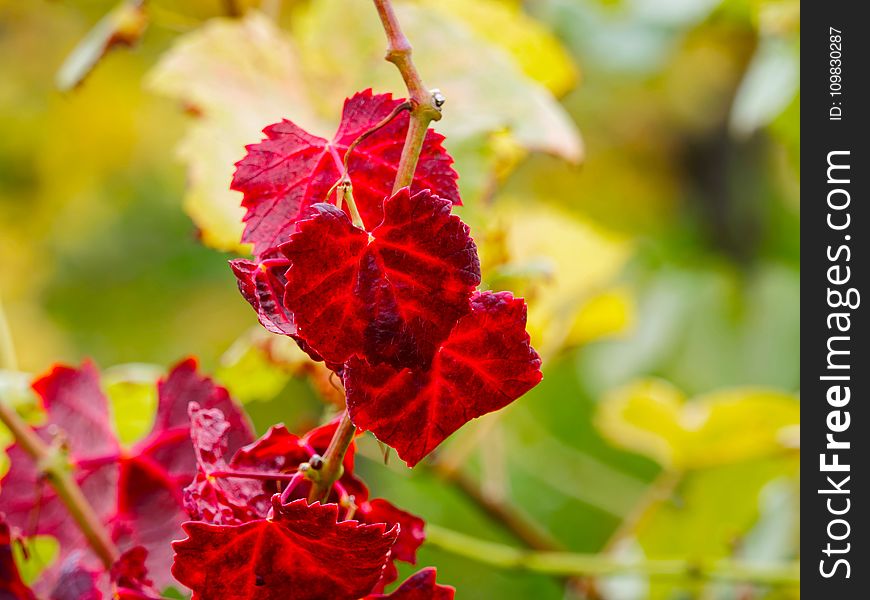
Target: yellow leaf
238,76
486,89
652,417
536,51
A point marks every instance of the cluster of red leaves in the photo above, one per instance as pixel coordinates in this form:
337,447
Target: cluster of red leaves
135,492
241,503
256,536
392,307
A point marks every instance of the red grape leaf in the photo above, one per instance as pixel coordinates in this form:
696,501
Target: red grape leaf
11,585
281,451
136,492
392,295
419,586
220,500
302,552
484,365
290,170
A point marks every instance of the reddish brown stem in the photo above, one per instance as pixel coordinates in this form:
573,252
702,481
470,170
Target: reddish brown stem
425,104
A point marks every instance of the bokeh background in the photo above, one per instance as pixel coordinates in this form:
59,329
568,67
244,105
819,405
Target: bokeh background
630,166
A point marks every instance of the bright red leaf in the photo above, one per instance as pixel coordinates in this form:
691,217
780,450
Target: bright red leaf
419,586
11,585
484,365
290,170
392,295
136,492
302,552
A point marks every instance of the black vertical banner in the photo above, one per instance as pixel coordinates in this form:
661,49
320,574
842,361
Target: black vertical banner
835,223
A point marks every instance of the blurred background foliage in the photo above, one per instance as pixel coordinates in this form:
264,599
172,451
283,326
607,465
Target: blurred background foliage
630,166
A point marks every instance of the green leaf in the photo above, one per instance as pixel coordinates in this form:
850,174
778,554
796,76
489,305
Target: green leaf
41,552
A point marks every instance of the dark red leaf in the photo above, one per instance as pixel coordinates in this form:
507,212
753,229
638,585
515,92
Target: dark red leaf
11,585
137,492
419,586
484,365
302,552
130,576
393,295
263,288
290,170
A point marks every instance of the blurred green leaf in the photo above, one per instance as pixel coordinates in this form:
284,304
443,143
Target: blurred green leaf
39,552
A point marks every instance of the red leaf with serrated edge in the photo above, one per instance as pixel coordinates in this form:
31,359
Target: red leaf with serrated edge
302,552
290,170
411,534
11,585
392,296
484,365
419,586
136,493
219,500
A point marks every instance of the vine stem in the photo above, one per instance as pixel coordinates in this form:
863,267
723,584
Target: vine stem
425,104
425,108
333,460
574,564
53,465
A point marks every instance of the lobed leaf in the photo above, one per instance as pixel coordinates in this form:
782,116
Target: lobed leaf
291,170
